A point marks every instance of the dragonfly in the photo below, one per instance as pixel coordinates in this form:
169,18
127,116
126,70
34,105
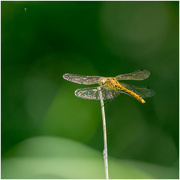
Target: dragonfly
111,87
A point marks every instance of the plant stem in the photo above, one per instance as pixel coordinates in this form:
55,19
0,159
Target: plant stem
105,153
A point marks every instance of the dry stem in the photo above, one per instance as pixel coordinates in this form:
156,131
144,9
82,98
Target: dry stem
105,153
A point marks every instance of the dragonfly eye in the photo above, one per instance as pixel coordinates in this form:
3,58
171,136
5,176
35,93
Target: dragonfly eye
103,81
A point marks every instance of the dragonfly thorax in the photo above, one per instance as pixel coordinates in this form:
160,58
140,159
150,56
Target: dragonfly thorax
107,82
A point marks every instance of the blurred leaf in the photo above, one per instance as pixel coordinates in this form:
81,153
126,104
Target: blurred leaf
55,158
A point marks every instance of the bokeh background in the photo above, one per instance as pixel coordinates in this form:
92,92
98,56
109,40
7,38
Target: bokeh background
46,131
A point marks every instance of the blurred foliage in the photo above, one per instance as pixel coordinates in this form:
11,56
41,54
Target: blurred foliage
41,41
63,158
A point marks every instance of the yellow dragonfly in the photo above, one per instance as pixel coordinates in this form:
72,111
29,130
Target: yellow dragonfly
110,87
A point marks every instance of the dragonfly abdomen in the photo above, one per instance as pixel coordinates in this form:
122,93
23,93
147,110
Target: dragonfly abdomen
121,88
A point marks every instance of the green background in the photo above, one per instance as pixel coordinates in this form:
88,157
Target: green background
46,131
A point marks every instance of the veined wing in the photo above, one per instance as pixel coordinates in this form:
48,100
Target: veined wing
87,80
143,92
93,93
137,75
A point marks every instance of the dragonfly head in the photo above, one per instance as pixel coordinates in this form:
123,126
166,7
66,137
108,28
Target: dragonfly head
103,81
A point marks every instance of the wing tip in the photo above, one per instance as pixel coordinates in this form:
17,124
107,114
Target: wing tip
144,70
65,76
76,92
147,73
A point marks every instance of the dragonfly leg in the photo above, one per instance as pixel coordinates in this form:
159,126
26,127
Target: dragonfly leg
110,97
110,100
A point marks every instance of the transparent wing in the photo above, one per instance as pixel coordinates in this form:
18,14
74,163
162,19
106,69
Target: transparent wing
93,93
143,92
137,75
87,80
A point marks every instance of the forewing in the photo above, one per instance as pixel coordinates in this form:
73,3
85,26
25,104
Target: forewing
137,75
93,93
87,80
143,92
